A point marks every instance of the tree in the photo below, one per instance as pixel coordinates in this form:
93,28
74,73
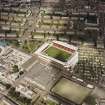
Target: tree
28,101
12,91
104,42
15,68
8,86
17,34
17,94
95,41
70,38
91,100
21,72
32,35
57,37
16,43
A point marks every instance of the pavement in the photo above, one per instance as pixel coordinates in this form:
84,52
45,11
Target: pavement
99,92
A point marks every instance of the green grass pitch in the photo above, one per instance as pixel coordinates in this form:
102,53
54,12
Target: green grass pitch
57,54
71,91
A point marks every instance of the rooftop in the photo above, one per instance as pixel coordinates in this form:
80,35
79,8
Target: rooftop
42,75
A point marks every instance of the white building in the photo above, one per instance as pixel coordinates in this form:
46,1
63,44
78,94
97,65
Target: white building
25,91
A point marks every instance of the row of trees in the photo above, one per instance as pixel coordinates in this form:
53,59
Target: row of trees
14,94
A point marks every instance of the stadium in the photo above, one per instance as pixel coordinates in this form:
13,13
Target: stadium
59,54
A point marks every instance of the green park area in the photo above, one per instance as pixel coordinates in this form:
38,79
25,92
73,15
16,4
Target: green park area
58,54
71,91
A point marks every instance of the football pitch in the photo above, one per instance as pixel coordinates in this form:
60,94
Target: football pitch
58,54
71,91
